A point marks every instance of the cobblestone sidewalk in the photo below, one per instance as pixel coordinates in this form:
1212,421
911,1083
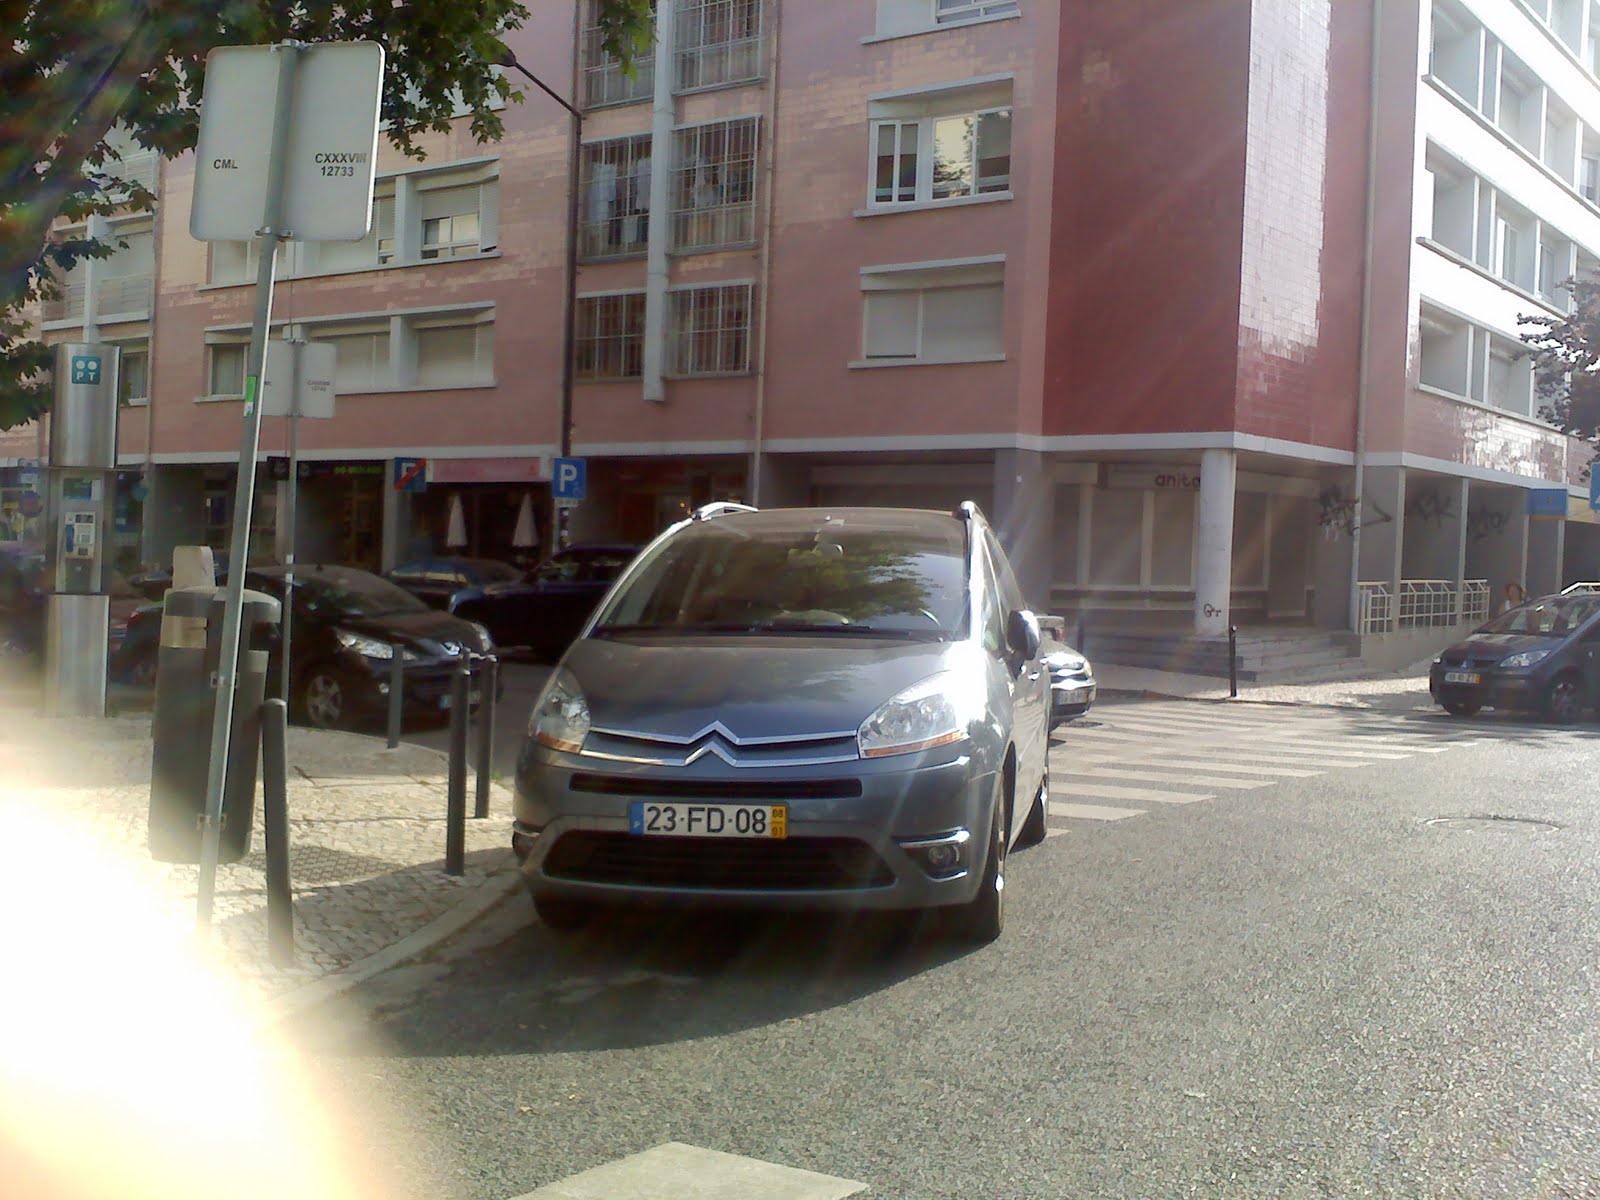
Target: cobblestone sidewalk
367,831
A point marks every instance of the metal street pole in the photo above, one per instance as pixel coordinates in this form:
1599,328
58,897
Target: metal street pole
569,338
289,510
270,234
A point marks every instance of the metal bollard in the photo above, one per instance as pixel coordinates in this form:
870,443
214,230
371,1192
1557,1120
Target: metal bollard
455,830
397,676
488,685
1233,662
275,819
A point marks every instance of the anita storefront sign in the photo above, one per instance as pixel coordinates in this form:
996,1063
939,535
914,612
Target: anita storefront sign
1146,477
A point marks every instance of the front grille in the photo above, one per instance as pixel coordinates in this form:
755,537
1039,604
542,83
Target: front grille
792,864
715,789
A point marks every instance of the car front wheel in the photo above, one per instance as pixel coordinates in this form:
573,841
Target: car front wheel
325,698
1035,826
981,919
1563,704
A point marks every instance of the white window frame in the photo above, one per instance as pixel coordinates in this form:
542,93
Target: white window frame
135,350
926,144
214,348
685,359
955,12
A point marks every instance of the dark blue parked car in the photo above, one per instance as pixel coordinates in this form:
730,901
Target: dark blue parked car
546,612
446,582
1543,657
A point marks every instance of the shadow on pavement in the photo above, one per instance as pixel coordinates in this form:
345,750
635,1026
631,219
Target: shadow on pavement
638,979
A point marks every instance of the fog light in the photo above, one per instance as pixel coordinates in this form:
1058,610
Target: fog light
943,857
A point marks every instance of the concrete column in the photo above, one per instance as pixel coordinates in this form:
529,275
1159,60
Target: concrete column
1546,543
785,482
390,545
1024,519
1213,568
1382,514
663,118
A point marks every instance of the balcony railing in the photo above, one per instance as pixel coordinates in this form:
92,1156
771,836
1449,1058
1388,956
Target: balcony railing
1421,604
121,297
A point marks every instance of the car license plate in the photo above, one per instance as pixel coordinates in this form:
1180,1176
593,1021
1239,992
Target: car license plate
708,820
1462,677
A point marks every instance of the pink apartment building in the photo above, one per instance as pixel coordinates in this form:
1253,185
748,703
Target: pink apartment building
1112,270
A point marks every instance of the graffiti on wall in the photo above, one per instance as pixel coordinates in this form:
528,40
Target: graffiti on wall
1486,523
1431,508
1338,512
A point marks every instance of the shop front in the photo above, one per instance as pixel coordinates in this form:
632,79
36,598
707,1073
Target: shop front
497,508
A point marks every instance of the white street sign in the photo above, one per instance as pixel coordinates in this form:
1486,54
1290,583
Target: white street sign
317,361
333,142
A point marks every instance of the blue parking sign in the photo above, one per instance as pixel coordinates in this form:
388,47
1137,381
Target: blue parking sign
568,479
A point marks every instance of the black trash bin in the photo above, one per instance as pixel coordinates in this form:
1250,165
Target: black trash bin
186,674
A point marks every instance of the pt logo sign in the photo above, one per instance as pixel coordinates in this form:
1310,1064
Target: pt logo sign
86,369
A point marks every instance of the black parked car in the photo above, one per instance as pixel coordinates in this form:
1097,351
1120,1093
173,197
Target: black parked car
1543,657
446,582
346,625
545,613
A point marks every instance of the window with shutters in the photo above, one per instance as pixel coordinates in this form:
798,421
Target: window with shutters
225,367
933,313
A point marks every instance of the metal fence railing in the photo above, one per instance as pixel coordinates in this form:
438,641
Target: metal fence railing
1421,604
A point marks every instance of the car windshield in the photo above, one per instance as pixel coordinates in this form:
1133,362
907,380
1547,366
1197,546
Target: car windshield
801,571
1556,617
348,592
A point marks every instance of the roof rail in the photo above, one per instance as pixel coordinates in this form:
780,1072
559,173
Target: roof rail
718,508
1580,587
966,510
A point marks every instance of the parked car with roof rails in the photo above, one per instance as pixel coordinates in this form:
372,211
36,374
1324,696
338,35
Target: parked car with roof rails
1072,684
1542,657
543,613
796,708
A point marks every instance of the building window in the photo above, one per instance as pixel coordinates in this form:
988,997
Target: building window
934,314
718,42
134,382
714,192
604,81
452,223
616,197
452,353
711,330
946,12
361,358
610,337
942,145
227,368
1589,183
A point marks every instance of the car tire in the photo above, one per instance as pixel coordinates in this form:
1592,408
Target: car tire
561,914
1460,708
981,919
324,698
1035,825
1563,703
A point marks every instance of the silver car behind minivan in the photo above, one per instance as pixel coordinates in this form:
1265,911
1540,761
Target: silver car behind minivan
793,708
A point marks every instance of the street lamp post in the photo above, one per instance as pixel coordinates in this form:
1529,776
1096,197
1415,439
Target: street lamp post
570,325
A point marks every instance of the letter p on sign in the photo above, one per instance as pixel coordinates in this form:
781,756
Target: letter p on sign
569,476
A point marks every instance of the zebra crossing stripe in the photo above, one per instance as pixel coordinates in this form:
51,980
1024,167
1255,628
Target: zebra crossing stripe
1160,762
1108,791
1091,812
1077,771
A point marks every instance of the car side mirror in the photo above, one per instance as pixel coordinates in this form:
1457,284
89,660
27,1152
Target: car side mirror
1022,633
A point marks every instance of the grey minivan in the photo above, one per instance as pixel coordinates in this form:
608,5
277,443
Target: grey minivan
794,708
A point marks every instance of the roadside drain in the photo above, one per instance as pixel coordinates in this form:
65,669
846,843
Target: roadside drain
1500,824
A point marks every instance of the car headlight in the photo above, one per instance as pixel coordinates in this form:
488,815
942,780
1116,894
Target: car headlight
560,719
1525,659
370,647
935,712
1071,663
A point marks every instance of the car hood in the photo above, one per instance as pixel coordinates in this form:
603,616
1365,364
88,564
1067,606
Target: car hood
1501,645
785,686
428,631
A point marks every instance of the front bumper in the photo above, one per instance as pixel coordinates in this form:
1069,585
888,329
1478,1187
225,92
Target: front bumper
1071,697
1513,690
856,835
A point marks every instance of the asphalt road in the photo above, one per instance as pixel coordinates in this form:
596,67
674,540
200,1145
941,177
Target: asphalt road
1300,989
522,684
